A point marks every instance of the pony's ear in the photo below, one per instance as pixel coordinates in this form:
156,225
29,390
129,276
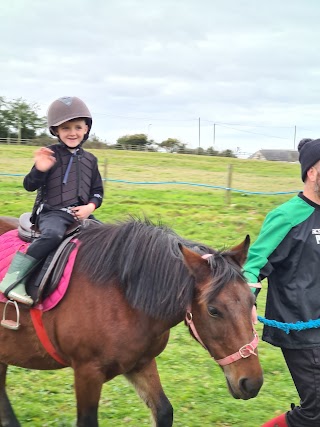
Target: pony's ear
198,267
240,252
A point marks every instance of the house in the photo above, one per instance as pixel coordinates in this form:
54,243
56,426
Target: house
276,155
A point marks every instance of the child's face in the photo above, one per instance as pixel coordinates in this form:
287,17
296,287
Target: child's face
72,132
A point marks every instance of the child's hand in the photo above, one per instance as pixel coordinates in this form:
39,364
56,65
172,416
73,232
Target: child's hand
44,159
82,212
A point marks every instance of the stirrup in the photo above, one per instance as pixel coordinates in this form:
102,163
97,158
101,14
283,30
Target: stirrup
8,323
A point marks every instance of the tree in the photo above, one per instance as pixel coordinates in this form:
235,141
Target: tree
19,119
212,152
42,140
95,142
227,153
200,151
172,145
138,139
3,127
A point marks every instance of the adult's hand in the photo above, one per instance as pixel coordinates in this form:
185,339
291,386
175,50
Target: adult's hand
254,315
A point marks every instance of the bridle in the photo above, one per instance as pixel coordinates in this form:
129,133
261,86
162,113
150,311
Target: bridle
244,352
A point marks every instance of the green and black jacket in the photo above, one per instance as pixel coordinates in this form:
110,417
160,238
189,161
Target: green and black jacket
287,252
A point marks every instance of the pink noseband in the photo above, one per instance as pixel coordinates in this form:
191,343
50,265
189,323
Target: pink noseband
245,351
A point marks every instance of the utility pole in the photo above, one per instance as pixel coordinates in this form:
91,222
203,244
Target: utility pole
199,132
214,135
294,137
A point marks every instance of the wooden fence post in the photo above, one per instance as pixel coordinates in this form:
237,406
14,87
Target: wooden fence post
229,183
105,168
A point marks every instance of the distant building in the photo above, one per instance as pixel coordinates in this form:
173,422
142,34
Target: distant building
291,156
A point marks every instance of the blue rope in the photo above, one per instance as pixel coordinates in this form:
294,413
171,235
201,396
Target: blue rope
287,327
217,187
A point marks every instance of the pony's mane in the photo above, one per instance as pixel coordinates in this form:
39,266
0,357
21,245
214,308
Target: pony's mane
146,261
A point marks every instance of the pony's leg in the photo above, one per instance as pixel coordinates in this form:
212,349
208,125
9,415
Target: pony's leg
88,385
7,416
147,383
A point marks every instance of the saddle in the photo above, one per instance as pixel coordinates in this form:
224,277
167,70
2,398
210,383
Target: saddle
48,274
28,232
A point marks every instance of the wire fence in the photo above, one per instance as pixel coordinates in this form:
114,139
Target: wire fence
194,184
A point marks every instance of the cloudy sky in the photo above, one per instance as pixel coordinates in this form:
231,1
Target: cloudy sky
238,74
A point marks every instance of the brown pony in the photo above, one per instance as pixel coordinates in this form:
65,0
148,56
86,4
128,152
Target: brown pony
131,283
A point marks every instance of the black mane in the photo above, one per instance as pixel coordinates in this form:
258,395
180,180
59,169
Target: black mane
147,262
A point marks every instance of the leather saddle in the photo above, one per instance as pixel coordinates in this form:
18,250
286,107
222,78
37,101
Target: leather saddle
28,232
47,276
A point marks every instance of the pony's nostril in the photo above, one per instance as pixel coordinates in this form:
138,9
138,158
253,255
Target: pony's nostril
245,385
249,387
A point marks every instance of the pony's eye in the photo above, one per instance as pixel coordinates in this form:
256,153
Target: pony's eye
213,311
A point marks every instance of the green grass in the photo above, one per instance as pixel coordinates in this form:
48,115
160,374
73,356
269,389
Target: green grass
194,384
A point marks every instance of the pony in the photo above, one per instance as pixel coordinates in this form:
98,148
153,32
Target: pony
133,281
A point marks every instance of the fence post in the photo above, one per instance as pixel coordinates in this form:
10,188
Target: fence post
229,183
105,167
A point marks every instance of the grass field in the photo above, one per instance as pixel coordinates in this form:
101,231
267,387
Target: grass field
192,381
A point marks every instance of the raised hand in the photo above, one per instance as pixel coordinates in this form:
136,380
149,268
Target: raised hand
44,159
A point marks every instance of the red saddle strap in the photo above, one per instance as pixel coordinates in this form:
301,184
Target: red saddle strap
36,316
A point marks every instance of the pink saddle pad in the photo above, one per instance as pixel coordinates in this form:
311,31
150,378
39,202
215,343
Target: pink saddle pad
10,243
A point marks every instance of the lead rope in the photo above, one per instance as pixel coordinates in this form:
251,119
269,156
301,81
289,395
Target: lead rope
287,327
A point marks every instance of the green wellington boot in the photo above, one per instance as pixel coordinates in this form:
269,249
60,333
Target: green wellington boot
19,267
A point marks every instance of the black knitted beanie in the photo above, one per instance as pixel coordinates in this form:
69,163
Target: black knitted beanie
309,154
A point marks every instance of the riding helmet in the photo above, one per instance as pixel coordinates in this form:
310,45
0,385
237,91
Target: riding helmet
65,109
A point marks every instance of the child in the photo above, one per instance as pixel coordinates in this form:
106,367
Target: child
69,188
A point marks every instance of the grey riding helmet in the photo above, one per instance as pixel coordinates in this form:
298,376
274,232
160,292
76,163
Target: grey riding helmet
65,109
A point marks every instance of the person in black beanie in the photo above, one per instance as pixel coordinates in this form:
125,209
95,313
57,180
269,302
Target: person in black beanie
287,253
309,154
